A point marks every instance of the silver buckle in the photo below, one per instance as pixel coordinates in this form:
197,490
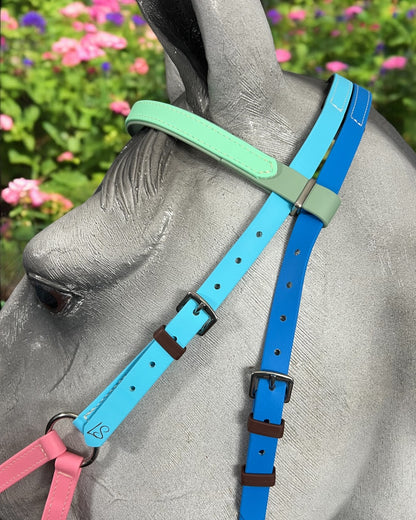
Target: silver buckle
202,306
272,377
300,201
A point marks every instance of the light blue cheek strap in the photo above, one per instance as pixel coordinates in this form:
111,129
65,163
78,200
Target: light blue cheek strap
100,419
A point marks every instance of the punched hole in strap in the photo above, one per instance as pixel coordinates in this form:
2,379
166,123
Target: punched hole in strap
166,341
258,479
265,428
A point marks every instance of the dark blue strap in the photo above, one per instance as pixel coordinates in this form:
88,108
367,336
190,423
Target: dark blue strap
268,403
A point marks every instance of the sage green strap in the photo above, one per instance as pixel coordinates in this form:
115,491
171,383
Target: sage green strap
255,165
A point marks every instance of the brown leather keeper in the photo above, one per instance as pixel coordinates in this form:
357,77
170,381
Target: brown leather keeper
266,429
258,479
166,341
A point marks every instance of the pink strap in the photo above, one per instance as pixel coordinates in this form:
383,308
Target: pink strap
30,458
65,478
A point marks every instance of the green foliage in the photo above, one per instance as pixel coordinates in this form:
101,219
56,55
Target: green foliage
56,107
363,42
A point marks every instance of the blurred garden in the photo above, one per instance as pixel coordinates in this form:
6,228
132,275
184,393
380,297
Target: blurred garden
70,71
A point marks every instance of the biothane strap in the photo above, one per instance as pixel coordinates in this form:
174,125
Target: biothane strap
64,482
66,475
270,385
29,459
99,420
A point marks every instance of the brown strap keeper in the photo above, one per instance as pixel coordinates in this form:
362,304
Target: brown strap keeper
258,479
166,341
266,429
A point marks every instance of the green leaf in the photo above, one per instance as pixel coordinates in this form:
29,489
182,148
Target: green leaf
73,144
24,232
54,134
31,115
18,158
29,141
15,212
47,167
11,83
11,108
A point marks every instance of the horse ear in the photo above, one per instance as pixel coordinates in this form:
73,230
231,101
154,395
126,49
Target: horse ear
174,83
176,26
244,78
224,55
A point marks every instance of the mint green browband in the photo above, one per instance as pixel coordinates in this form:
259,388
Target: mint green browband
255,165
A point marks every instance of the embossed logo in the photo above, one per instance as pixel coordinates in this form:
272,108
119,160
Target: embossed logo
99,430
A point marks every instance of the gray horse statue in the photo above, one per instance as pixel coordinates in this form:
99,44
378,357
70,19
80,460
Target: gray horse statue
103,278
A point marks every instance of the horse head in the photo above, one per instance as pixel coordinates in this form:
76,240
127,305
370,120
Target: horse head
101,279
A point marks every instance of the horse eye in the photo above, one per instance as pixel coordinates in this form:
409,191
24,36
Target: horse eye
53,298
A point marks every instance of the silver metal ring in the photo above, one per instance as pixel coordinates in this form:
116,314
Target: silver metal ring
68,415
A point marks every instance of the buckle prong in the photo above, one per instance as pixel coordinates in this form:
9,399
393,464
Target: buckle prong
272,377
203,305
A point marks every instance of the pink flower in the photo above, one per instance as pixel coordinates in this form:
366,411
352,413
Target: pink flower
71,58
90,27
140,66
65,156
25,191
10,196
74,10
335,33
88,51
105,40
4,15
101,8
6,122
297,15
283,55
78,26
37,197
336,66
64,45
11,23
352,11
120,107
394,62
107,4
57,197
48,56
75,51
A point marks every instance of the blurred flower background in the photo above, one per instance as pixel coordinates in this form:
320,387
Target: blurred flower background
70,71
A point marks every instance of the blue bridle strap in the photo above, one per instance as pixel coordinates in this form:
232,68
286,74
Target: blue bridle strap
270,384
99,420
